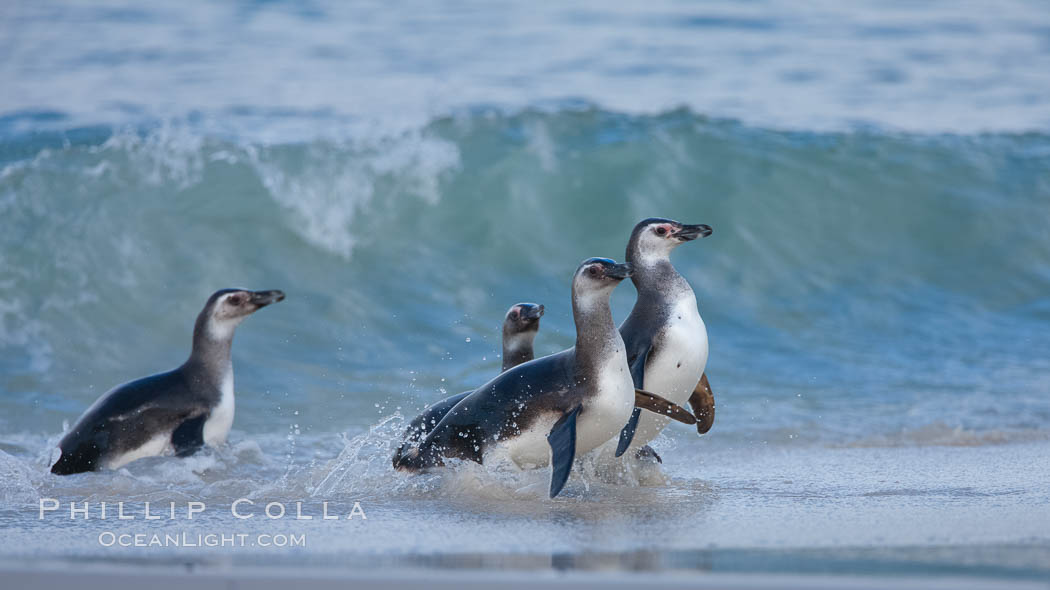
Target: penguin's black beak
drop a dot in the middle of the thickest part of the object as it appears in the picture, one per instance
(264, 298)
(618, 271)
(532, 312)
(691, 232)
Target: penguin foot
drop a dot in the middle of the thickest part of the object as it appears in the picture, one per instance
(647, 453)
(645, 467)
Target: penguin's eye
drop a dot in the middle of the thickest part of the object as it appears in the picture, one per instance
(514, 315)
(661, 231)
(593, 271)
(235, 300)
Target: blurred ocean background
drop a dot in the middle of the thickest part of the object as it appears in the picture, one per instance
(877, 288)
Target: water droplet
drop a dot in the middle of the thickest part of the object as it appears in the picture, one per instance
(468, 338)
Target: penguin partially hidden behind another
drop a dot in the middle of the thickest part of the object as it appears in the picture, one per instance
(180, 411)
(520, 325)
(666, 338)
(547, 410)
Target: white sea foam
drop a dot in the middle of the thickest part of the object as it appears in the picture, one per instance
(16, 487)
(336, 181)
(748, 498)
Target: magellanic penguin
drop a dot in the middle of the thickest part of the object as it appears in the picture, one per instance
(666, 338)
(178, 411)
(519, 331)
(547, 410)
(520, 325)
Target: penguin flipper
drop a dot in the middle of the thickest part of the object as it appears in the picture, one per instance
(562, 439)
(188, 437)
(703, 403)
(664, 407)
(627, 434)
(637, 367)
(636, 363)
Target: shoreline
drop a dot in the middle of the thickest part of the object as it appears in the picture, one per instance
(63, 575)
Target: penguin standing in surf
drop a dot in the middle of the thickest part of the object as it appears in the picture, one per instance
(548, 410)
(520, 325)
(665, 336)
(179, 411)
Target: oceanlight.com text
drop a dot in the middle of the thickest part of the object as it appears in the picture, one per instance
(184, 539)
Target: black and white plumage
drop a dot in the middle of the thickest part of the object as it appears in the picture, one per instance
(178, 411)
(550, 409)
(520, 325)
(665, 336)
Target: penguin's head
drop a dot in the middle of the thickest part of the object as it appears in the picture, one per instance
(596, 278)
(226, 308)
(654, 238)
(522, 317)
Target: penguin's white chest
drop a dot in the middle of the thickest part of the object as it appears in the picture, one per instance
(605, 415)
(159, 444)
(217, 426)
(675, 364)
(602, 417)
